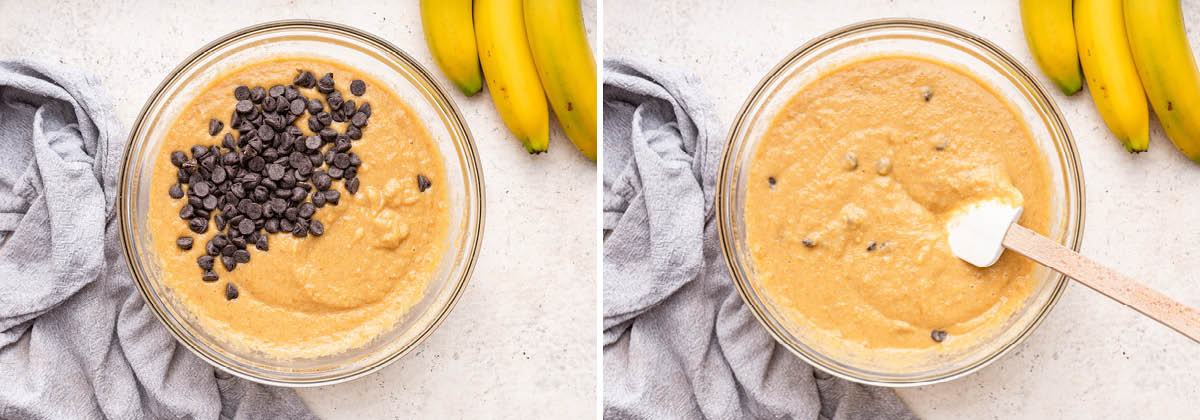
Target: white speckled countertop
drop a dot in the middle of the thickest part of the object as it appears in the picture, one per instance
(1092, 358)
(521, 342)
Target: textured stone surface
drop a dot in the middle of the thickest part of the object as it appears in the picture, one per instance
(1092, 358)
(522, 341)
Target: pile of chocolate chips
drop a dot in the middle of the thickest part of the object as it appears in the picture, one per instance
(269, 178)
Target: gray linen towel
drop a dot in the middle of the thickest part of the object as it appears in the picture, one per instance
(678, 341)
(76, 341)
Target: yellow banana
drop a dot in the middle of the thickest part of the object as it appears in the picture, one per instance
(1168, 71)
(566, 67)
(450, 33)
(1111, 76)
(1051, 35)
(511, 76)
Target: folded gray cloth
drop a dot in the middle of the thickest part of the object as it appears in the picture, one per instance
(678, 341)
(76, 341)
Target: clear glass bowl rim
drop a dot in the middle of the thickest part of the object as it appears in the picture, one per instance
(724, 211)
(449, 109)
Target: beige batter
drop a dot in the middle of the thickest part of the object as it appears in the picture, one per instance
(882, 151)
(314, 296)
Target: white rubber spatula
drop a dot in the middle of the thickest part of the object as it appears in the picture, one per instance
(980, 231)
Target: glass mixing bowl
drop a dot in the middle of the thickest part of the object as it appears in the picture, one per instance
(389, 65)
(945, 44)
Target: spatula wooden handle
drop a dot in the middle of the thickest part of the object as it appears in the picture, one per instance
(1122, 289)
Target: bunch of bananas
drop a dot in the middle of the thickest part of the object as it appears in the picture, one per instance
(1129, 50)
(530, 50)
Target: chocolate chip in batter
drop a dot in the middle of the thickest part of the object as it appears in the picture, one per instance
(176, 191)
(937, 335)
(358, 88)
(316, 228)
(215, 126)
(422, 182)
(305, 79)
(231, 291)
(927, 94)
(241, 93)
(184, 242)
(808, 242)
(209, 276)
(178, 158)
(325, 85)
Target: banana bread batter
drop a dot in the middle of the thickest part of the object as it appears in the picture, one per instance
(849, 192)
(314, 296)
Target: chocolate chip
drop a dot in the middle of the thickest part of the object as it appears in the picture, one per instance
(297, 159)
(198, 151)
(201, 189)
(209, 275)
(324, 118)
(328, 134)
(178, 158)
(241, 93)
(937, 335)
(176, 191)
(338, 115)
(209, 203)
(341, 145)
(301, 229)
(254, 210)
(305, 80)
(187, 212)
(354, 132)
(354, 160)
(218, 175)
(341, 160)
(245, 226)
(312, 142)
(332, 196)
(325, 85)
(238, 242)
(318, 200)
(219, 220)
(298, 194)
(351, 187)
(291, 93)
(198, 224)
(317, 159)
(231, 291)
(184, 242)
(316, 228)
(257, 94)
(423, 183)
(334, 100)
(358, 88)
(286, 225)
(315, 106)
(205, 262)
(365, 108)
(305, 210)
(322, 180)
(349, 107)
(228, 262)
(215, 126)
(359, 119)
(244, 106)
(261, 242)
(241, 256)
(228, 250)
(276, 91)
(297, 106)
(211, 249)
